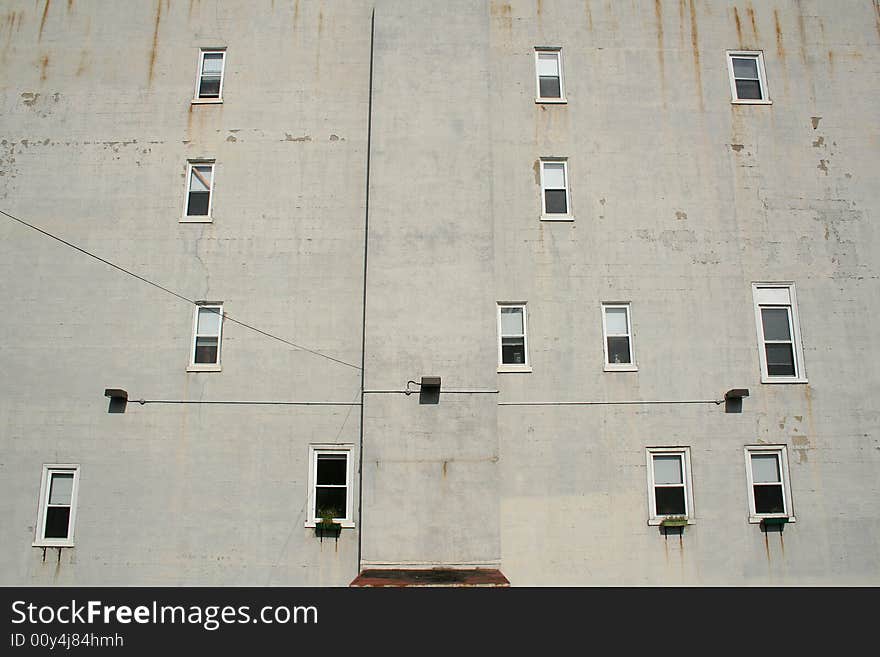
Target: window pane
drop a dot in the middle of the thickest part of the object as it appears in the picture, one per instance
(61, 488)
(670, 501)
(667, 470)
(550, 87)
(332, 499)
(618, 351)
(206, 351)
(748, 90)
(212, 63)
(768, 499)
(209, 321)
(780, 359)
(745, 67)
(197, 205)
(775, 321)
(554, 175)
(331, 469)
(57, 521)
(209, 88)
(615, 321)
(765, 468)
(555, 201)
(197, 175)
(512, 321)
(548, 65)
(513, 351)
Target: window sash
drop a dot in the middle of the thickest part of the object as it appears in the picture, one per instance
(554, 188)
(662, 495)
(512, 346)
(762, 493)
(316, 499)
(212, 64)
(616, 343)
(548, 75)
(206, 345)
(56, 517)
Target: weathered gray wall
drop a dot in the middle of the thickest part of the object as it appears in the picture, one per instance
(98, 126)
(681, 200)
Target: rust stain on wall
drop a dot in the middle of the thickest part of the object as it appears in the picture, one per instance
(780, 49)
(877, 16)
(589, 14)
(155, 42)
(295, 13)
(739, 29)
(695, 43)
(44, 65)
(751, 12)
(69, 5)
(43, 19)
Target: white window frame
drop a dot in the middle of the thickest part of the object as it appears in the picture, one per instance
(513, 367)
(619, 367)
(209, 51)
(781, 453)
(758, 56)
(314, 452)
(45, 482)
(800, 374)
(199, 218)
(687, 479)
(205, 367)
(554, 50)
(568, 216)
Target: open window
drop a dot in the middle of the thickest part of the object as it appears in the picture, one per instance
(57, 511)
(330, 484)
(781, 352)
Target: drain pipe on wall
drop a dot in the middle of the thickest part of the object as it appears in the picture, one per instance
(360, 523)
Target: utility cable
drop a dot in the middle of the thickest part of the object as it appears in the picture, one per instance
(176, 294)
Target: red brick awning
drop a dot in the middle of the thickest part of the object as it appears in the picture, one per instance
(431, 577)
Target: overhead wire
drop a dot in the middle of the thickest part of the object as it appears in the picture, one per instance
(173, 293)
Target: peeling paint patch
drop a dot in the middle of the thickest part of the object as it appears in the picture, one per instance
(231, 138)
(737, 147)
(334, 137)
(815, 121)
(29, 98)
(290, 137)
(819, 142)
(681, 216)
(823, 166)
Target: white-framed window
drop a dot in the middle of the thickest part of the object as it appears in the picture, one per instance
(618, 337)
(207, 334)
(513, 346)
(670, 485)
(209, 81)
(555, 197)
(199, 191)
(781, 352)
(330, 484)
(769, 483)
(56, 516)
(748, 80)
(548, 75)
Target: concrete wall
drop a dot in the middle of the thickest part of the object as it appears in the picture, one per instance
(681, 200)
(98, 127)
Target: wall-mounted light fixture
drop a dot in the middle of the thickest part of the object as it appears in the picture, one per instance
(733, 400)
(118, 399)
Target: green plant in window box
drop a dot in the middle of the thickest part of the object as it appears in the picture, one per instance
(674, 521)
(326, 526)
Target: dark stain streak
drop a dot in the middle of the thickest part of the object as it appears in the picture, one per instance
(43, 19)
(780, 49)
(69, 5)
(737, 147)
(155, 42)
(815, 121)
(739, 30)
(295, 13)
(589, 13)
(44, 65)
(751, 13)
(695, 42)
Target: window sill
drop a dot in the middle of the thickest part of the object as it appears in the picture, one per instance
(656, 522)
(196, 220)
(203, 368)
(507, 369)
(756, 520)
(621, 368)
(554, 217)
(748, 101)
(47, 543)
(345, 524)
(207, 101)
(780, 379)
(551, 101)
